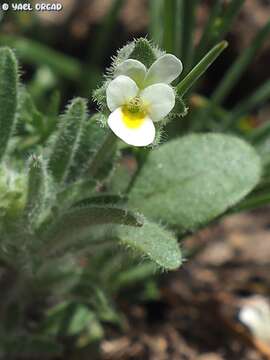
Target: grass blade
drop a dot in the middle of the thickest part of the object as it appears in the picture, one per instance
(239, 66)
(200, 68)
(208, 29)
(169, 18)
(258, 97)
(35, 53)
(155, 30)
(106, 31)
(225, 22)
(231, 12)
(188, 32)
(253, 202)
(179, 27)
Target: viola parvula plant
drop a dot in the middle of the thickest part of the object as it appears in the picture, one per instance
(76, 224)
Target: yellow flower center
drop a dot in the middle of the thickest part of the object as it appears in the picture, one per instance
(134, 113)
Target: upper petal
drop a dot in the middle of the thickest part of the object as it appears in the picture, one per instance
(164, 70)
(142, 135)
(119, 91)
(160, 99)
(133, 69)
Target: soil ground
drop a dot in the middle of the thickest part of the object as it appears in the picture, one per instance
(197, 315)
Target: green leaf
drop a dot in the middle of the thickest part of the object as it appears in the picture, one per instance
(75, 192)
(102, 198)
(67, 139)
(94, 215)
(75, 223)
(143, 52)
(180, 109)
(154, 242)
(8, 96)
(93, 136)
(190, 181)
(38, 187)
(103, 159)
(200, 68)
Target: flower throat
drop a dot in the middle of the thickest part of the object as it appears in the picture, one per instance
(134, 112)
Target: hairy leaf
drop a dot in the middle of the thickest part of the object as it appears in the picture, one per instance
(75, 223)
(93, 137)
(8, 96)
(38, 189)
(190, 181)
(154, 242)
(143, 52)
(67, 140)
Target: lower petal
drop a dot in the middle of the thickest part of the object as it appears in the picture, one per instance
(142, 135)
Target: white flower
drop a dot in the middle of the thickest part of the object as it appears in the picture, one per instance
(138, 97)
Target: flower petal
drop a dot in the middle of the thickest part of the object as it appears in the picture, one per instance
(120, 91)
(160, 100)
(140, 136)
(164, 70)
(133, 69)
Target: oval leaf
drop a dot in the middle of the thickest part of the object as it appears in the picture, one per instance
(190, 181)
(153, 241)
